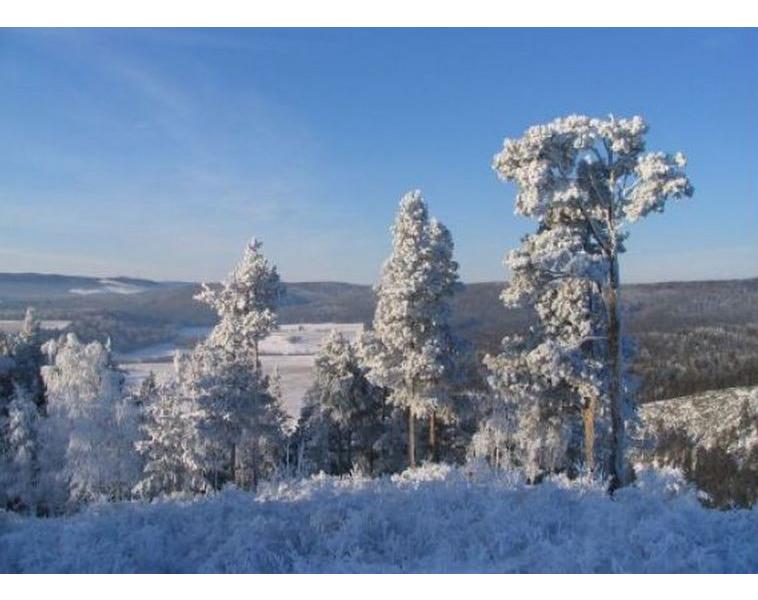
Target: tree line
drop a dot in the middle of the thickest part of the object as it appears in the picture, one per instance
(559, 397)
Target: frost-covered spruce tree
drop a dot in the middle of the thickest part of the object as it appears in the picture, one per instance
(584, 180)
(410, 350)
(343, 419)
(246, 303)
(88, 437)
(147, 392)
(443, 283)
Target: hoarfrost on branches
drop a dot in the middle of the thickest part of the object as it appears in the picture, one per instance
(584, 180)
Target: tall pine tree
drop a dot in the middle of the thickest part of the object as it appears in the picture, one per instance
(410, 350)
(584, 180)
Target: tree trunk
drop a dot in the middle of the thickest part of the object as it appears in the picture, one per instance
(433, 436)
(254, 471)
(411, 440)
(234, 463)
(619, 476)
(588, 417)
(349, 451)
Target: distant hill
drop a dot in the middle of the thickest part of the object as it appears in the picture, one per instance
(477, 308)
(31, 286)
(693, 336)
(712, 437)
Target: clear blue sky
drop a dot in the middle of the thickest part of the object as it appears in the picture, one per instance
(158, 153)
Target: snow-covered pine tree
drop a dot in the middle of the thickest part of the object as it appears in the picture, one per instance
(21, 434)
(443, 282)
(239, 422)
(87, 449)
(584, 180)
(547, 378)
(20, 361)
(246, 303)
(410, 350)
(29, 357)
(147, 392)
(167, 443)
(20, 383)
(343, 419)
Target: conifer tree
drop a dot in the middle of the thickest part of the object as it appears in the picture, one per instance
(246, 304)
(239, 422)
(343, 416)
(410, 349)
(21, 433)
(168, 444)
(584, 180)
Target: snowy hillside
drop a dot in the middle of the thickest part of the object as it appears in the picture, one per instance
(433, 519)
(109, 286)
(710, 419)
(14, 326)
(712, 437)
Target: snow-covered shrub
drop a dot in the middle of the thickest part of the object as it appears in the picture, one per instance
(435, 518)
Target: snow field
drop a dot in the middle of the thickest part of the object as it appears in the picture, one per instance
(432, 519)
(291, 350)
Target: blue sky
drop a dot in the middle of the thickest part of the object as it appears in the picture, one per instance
(158, 153)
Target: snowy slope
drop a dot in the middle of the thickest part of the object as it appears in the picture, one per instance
(109, 286)
(725, 418)
(712, 437)
(433, 519)
(14, 326)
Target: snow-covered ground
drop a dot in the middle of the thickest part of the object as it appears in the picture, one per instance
(433, 519)
(302, 338)
(726, 419)
(291, 350)
(14, 326)
(305, 338)
(109, 286)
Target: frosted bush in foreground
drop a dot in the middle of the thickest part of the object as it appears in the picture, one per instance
(431, 519)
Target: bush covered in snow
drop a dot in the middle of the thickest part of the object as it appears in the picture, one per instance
(432, 519)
